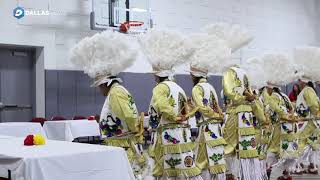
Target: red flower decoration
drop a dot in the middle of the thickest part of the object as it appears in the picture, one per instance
(28, 141)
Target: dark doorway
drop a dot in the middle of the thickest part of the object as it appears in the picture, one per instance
(17, 82)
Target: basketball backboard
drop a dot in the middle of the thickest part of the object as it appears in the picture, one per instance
(110, 14)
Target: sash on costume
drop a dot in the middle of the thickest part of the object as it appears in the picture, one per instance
(247, 139)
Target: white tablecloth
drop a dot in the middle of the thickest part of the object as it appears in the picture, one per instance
(70, 129)
(20, 129)
(60, 160)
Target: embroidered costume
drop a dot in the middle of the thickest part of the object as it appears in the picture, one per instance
(210, 156)
(307, 107)
(172, 148)
(120, 124)
(210, 151)
(282, 147)
(239, 129)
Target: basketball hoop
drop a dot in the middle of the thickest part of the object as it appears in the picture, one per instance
(124, 27)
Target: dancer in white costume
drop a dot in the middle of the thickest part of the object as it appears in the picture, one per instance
(282, 150)
(239, 131)
(173, 150)
(307, 108)
(256, 76)
(210, 52)
(103, 56)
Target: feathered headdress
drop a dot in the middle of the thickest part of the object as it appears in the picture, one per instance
(307, 59)
(103, 55)
(235, 36)
(164, 50)
(255, 72)
(279, 69)
(210, 52)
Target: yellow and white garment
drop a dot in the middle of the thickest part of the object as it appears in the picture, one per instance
(174, 154)
(118, 125)
(154, 121)
(239, 131)
(307, 106)
(288, 146)
(288, 136)
(247, 139)
(265, 135)
(210, 150)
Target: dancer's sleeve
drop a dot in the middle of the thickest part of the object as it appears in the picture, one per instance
(258, 111)
(312, 100)
(160, 97)
(228, 83)
(206, 110)
(274, 103)
(121, 105)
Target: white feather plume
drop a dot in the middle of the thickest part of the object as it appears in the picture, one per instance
(307, 59)
(279, 68)
(236, 36)
(165, 49)
(210, 54)
(255, 72)
(106, 53)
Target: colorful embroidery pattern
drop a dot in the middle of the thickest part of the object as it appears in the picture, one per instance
(173, 162)
(300, 125)
(111, 127)
(216, 158)
(188, 161)
(285, 128)
(303, 111)
(205, 101)
(132, 104)
(245, 120)
(154, 118)
(172, 102)
(198, 115)
(184, 134)
(254, 122)
(285, 146)
(273, 117)
(211, 133)
(170, 138)
(313, 138)
(245, 144)
(259, 149)
(182, 101)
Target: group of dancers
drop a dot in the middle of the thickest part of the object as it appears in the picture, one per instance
(258, 129)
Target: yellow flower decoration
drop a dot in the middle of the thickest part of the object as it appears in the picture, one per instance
(38, 139)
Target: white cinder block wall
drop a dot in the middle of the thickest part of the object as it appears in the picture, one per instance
(276, 24)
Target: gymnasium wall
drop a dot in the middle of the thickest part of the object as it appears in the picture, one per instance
(68, 93)
(276, 24)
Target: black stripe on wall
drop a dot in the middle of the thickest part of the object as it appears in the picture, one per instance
(68, 93)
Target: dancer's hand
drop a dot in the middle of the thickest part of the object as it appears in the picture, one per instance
(181, 118)
(250, 98)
